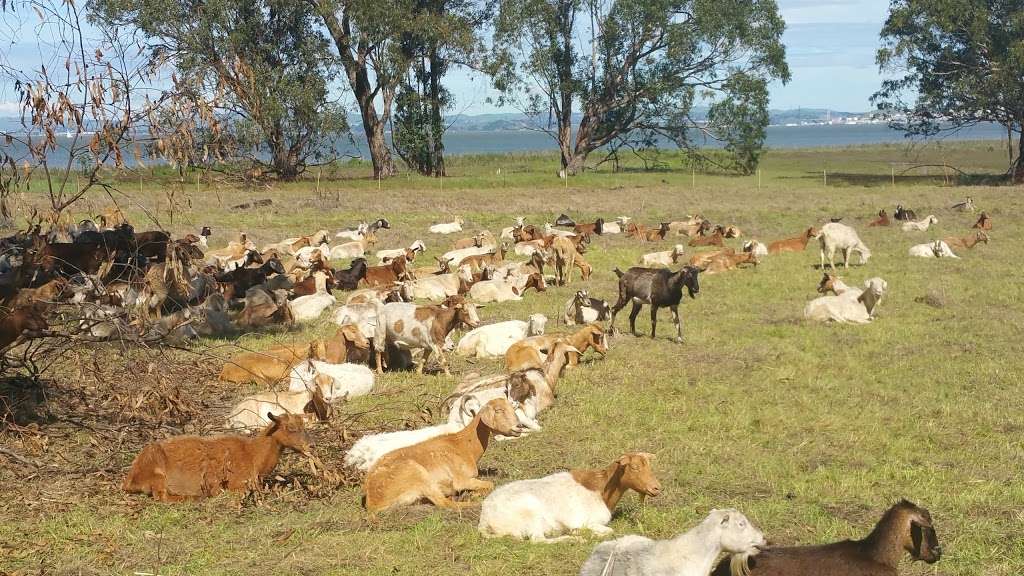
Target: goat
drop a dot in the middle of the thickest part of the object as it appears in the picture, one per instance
(715, 239)
(334, 381)
(967, 242)
(565, 253)
(904, 528)
(904, 215)
(966, 205)
(756, 248)
(584, 309)
(349, 278)
(240, 280)
(936, 249)
(859, 309)
(726, 262)
(409, 326)
(798, 244)
(596, 228)
(383, 256)
(656, 234)
(529, 352)
(882, 220)
(396, 270)
(250, 413)
(309, 308)
(493, 340)
(692, 553)
(664, 258)
(656, 288)
(834, 236)
(565, 221)
(695, 226)
(19, 321)
(439, 467)
(185, 467)
(263, 306)
(919, 226)
(448, 227)
(703, 259)
(574, 500)
(503, 290)
(983, 223)
(354, 249)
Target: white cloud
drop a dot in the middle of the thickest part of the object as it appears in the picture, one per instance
(837, 11)
(8, 108)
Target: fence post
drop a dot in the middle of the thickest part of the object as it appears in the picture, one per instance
(893, 176)
(758, 178)
(824, 175)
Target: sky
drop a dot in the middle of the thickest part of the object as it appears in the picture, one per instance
(830, 47)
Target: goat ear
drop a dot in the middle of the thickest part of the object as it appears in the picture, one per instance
(725, 519)
(272, 418)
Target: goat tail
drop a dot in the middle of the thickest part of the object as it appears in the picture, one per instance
(618, 272)
(739, 565)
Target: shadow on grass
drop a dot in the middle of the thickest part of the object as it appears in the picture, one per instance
(851, 179)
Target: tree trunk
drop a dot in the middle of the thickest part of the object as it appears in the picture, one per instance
(436, 121)
(563, 59)
(1018, 166)
(359, 80)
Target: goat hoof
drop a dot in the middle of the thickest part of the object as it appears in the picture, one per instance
(678, 340)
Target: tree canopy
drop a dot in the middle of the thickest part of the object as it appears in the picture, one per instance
(956, 63)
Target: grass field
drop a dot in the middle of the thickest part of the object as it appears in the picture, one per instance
(811, 430)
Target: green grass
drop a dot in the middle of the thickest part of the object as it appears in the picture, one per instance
(811, 430)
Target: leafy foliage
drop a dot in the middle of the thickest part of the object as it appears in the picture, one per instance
(962, 62)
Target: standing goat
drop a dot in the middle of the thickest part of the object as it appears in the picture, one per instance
(657, 288)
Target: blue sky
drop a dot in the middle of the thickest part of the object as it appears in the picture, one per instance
(830, 47)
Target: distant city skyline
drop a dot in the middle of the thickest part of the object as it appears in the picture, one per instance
(830, 46)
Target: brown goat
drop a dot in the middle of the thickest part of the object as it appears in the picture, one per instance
(437, 468)
(348, 345)
(904, 528)
(267, 367)
(631, 471)
(715, 239)
(185, 467)
(478, 262)
(798, 244)
(882, 220)
(968, 242)
(527, 352)
(17, 321)
(726, 262)
(655, 234)
(389, 273)
(702, 259)
(466, 242)
(983, 223)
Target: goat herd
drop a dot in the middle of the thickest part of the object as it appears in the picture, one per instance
(148, 285)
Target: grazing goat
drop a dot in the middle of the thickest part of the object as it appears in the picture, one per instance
(904, 215)
(983, 223)
(574, 500)
(859, 309)
(439, 467)
(798, 244)
(447, 228)
(493, 340)
(834, 236)
(904, 528)
(919, 226)
(692, 553)
(657, 288)
(967, 242)
(584, 309)
(426, 328)
(664, 258)
(882, 220)
(936, 249)
(185, 467)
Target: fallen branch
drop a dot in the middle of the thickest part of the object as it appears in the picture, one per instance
(18, 458)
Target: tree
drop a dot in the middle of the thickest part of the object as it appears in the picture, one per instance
(443, 32)
(252, 77)
(964, 62)
(650, 62)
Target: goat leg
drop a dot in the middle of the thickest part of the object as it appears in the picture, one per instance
(679, 324)
(632, 318)
(654, 320)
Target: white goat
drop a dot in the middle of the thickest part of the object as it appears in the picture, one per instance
(506, 232)
(495, 291)
(920, 225)
(663, 258)
(310, 307)
(336, 381)
(835, 236)
(493, 340)
(383, 255)
(692, 553)
(551, 230)
(251, 413)
(846, 308)
(356, 234)
(521, 393)
(448, 227)
(616, 226)
(363, 316)
(937, 249)
(372, 447)
(455, 257)
(354, 249)
(756, 247)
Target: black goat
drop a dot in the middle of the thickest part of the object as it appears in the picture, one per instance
(903, 214)
(349, 279)
(239, 280)
(564, 220)
(152, 244)
(905, 527)
(380, 223)
(656, 287)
